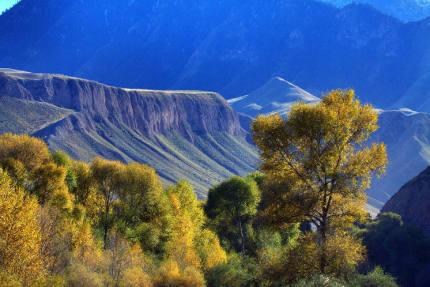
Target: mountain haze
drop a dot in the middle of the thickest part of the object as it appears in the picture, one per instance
(406, 10)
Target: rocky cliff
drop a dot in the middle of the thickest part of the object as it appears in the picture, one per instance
(184, 134)
(146, 111)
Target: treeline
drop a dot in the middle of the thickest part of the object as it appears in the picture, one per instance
(300, 221)
(68, 223)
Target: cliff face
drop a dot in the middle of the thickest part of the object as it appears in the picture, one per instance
(412, 202)
(149, 112)
(184, 134)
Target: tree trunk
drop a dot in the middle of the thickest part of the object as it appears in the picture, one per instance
(323, 257)
(242, 236)
(106, 224)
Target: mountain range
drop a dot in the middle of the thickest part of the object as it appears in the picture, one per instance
(230, 47)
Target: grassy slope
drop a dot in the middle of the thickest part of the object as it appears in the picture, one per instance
(19, 116)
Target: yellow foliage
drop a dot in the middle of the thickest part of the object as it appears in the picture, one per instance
(210, 250)
(85, 249)
(136, 277)
(20, 238)
(343, 251)
(30, 151)
(170, 275)
(190, 247)
(8, 280)
(79, 275)
(180, 246)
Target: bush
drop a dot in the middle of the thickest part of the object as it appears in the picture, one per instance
(238, 271)
(319, 281)
(376, 278)
(79, 276)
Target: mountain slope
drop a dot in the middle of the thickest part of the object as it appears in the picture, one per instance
(183, 134)
(412, 201)
(406, 10)
(24, 117)
(230, 47)
(407, 136)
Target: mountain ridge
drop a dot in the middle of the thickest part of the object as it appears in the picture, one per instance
(184, 135)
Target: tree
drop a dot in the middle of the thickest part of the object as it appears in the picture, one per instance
(317, 164)
(187, 220)
(143, 196)
(20, 237)
(48, 180)
(190, 248)
(121, 256)
(63, 159)
(144, 206)
(234, 202)
(30, 151)
(109, 179)
(209, 249)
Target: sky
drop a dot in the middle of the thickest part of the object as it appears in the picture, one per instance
(6, 4)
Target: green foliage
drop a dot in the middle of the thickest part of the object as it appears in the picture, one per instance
(233, 203)
(62, 159)
(319, 281)
(400, 249)
(237, 272)
(376, 278)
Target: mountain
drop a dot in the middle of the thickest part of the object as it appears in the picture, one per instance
(276, 96)
(190, 135)
(230, 47)
(406, 10)
(407, 136)
(412, 201)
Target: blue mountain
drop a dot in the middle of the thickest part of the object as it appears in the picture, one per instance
(230, 47)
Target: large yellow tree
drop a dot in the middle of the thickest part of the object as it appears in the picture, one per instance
(318, 165)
